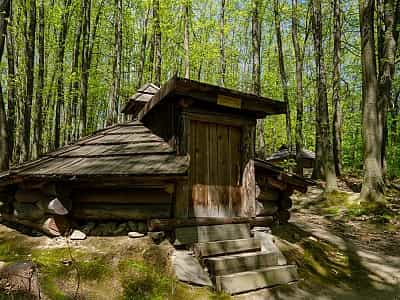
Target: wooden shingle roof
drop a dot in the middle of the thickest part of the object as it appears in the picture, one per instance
(139, 100)
(121, 150)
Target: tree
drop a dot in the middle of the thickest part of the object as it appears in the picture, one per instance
(113, 104)
(373, 185)
(222, 44)
(30, 38)
(282, 72)
(337, 111)
(157, 41)
(5, 9)
(186, 39)
(256, 72)
(324, 167)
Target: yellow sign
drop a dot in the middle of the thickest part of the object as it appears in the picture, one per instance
(229, 101)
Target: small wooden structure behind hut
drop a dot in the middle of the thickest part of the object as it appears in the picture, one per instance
(187, 158)
(284, 155)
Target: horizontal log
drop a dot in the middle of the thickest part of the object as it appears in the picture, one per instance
(30, 196)
(126, 196)
(267, 208)
(269, 195)
(121, 211)
(52, 226)
(171, 224)
(27, 211)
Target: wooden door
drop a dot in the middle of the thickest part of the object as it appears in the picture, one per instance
(215, 174)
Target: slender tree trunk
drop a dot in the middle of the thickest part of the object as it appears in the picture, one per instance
(337, 111)
(373, 185)
(113, 104)
(86, 8)
(186, 40)
(157, 41)
(282, 72)
(324, 157)
(11, 83)
(5, 9)
(222, 44)
(256, 72)
(143, 48)
(299, 89)
(29, 32)
(60, 70)
(38, 130)
(74, 90)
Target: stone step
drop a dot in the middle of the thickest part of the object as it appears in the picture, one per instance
(257, 279)
(228, 264)
(201, 234)
(226, 247)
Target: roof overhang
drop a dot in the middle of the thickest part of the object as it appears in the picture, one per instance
(179, 87)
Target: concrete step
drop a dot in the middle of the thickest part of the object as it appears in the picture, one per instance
(228, 264)
(201, 234)
(257, 279)
(226, 247)
(280, 292)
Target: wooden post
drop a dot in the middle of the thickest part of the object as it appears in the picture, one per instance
(248, 175)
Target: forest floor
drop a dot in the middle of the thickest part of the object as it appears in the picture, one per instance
(342, 252)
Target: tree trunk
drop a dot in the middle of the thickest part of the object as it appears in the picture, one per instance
(29, 33)
(337, 111)
(143, 48)
(299, 89)
(74, 90)
(113, 104)
(86, 8)
(222, 44)
(256, 72)
(324, 157)
(5, 9)
(157, 42)
(373, 185)
(186, 40)
(11, 84)
(62, 35)
(282, 72)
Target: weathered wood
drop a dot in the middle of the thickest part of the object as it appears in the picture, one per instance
(27, 211)
(182, 200)
(121, 211)
(226, 247)
(171, 224)
(52, 226)
(277, 184)
(242, 262)
(30, 196)
(200, 234)
(125, 196)
(248, 176)
(217, 118)
(268, 195)
(267, 208)
(254, 280)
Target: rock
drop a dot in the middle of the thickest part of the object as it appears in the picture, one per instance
(105, 229)
(56, 207)
(157, 236)
(122, 229)
(88, 227)
(77, 235)
(132, 226)
(133, 234)
(268, 245)
(142, 227)
(188, 269)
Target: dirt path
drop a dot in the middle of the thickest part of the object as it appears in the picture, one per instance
(341, 256)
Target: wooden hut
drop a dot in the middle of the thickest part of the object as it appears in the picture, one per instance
(185, 164)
